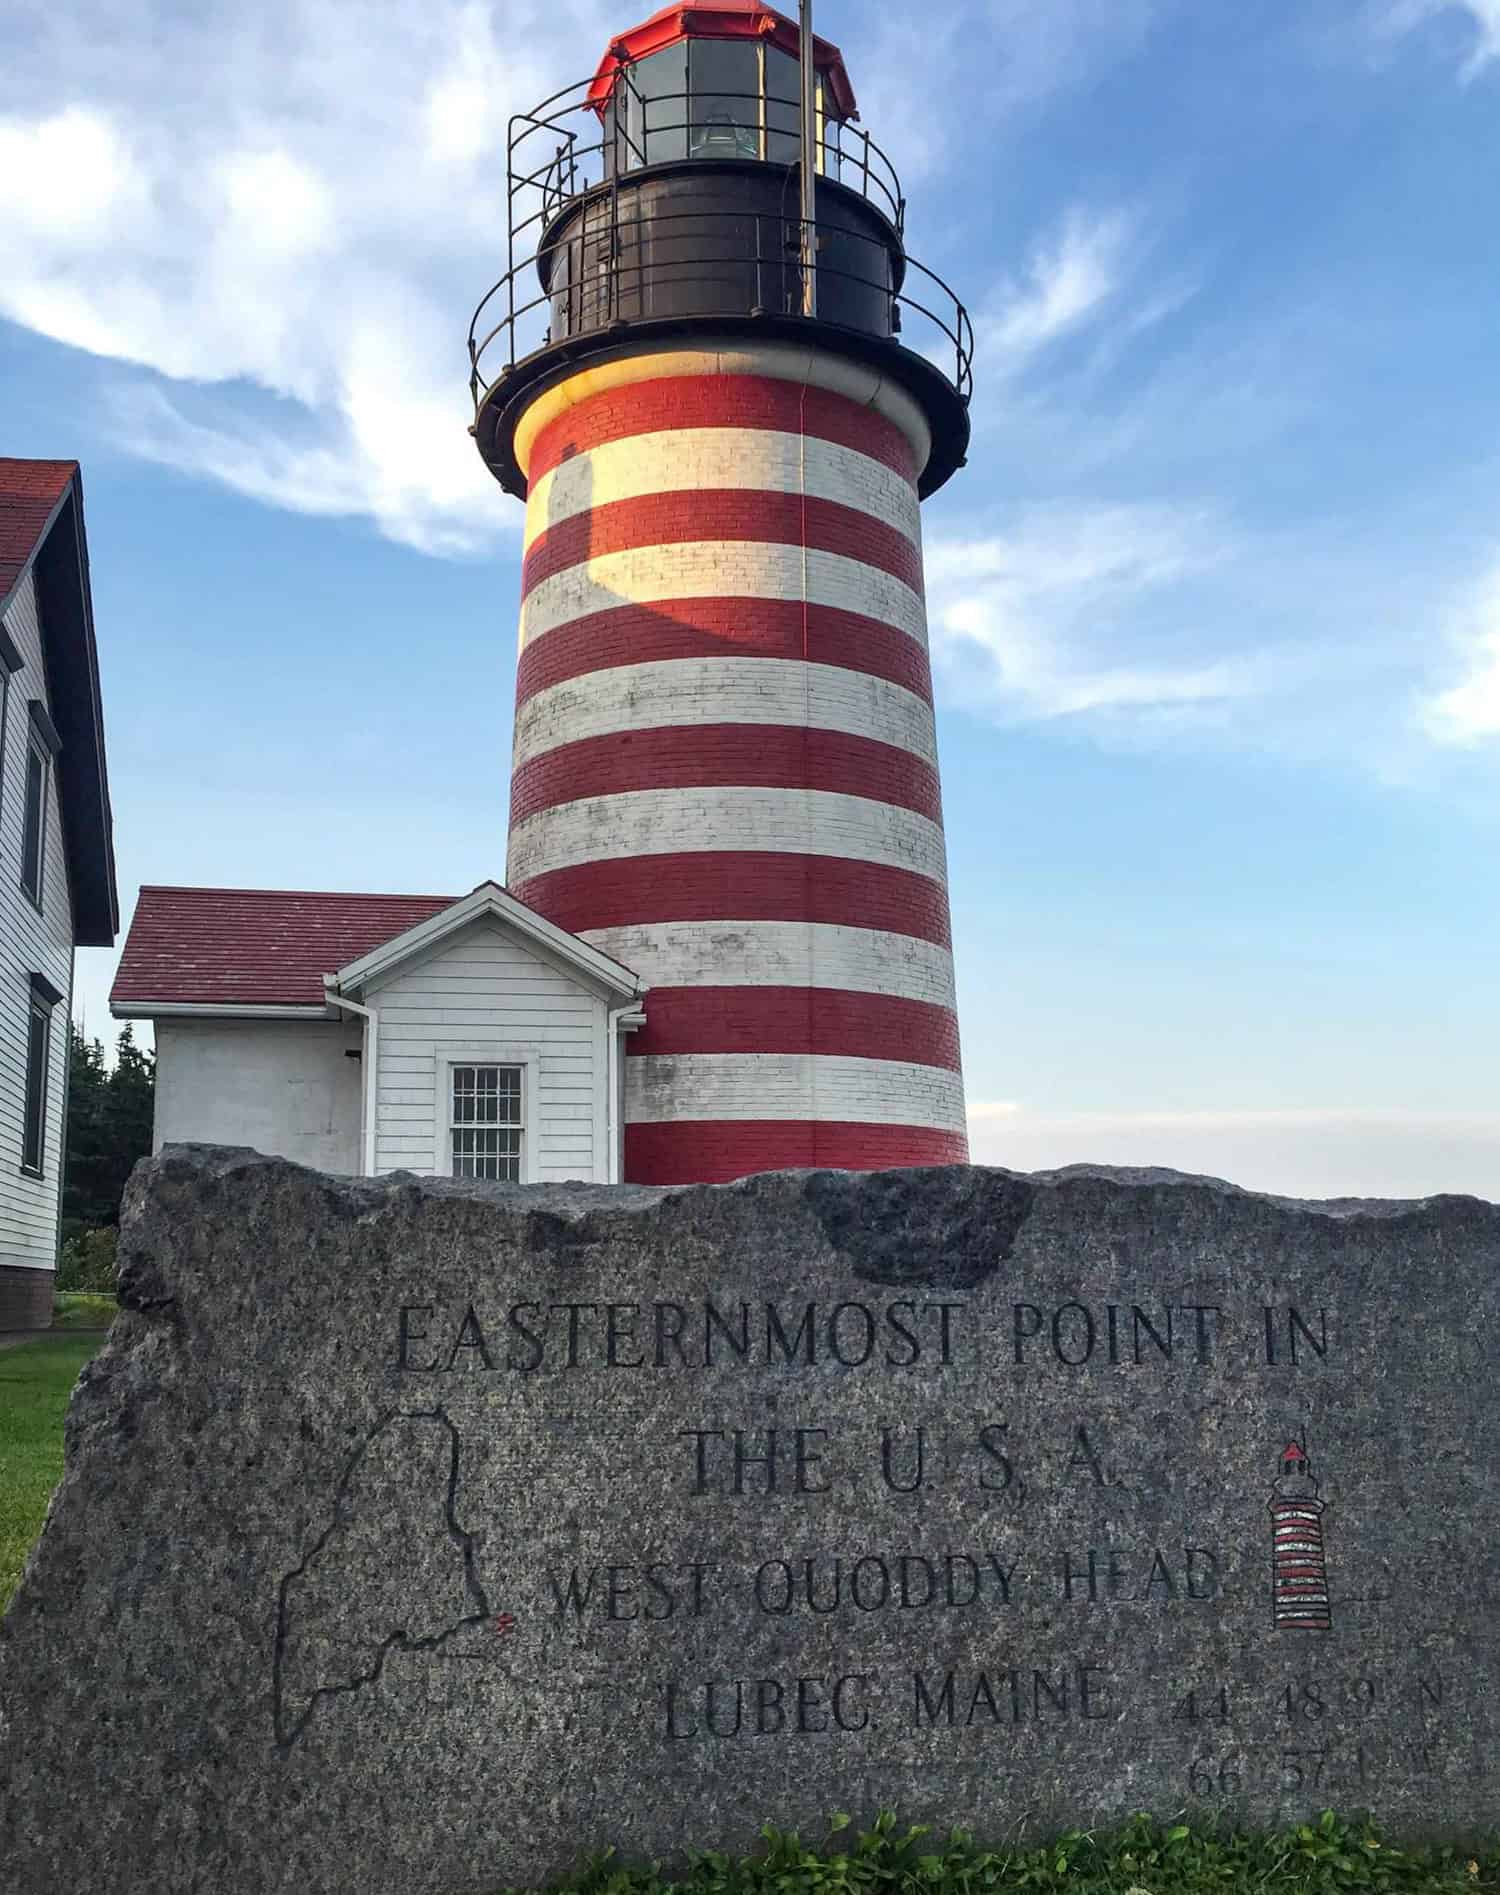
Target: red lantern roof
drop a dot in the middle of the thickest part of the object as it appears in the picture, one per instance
(723, 19)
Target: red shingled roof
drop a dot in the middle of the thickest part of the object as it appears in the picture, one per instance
(29, 495)
(254, 947)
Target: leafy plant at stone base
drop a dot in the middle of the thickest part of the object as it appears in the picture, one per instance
(1332, 1856)
(84, 1310)
(87, 1262)
(110, 1111)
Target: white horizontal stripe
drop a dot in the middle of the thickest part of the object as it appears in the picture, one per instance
(724, 691)
(662, 1088)
(712, 569)
(664, 822)
(812, 367)
(684, 460)
(781, 954)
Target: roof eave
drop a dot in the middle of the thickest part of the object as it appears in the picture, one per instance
(59, 565)
(218, 1010)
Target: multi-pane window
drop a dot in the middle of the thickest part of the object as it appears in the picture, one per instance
(39, 748)
(487, 1121)
(38, 1055)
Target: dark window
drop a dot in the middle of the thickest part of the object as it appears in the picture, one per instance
(38, 1047)
(726, 102)
(33, 836)
(10, 660)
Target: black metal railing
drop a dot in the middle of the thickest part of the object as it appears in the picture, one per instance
(570, 143)
(603, 271)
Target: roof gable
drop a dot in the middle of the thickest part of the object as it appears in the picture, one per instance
(41, 532)
(491, 900)
(31, 492)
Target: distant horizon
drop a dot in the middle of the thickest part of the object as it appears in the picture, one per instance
(1215, 604)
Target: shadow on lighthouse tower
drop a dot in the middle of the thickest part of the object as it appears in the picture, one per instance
(721, 418)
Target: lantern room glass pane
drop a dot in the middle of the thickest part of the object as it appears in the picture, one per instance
(656, 109)
(725, 83)
(783, 110)
(830, 154)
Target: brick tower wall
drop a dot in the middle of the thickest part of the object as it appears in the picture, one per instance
(725, 763)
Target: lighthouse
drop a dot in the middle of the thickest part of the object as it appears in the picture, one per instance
(721, 385)
(1299, 1565)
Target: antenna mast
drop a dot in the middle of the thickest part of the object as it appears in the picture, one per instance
(809, 163)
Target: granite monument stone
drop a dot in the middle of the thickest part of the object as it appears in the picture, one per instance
(418, 1538)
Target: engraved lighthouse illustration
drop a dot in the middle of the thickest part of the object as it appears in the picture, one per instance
(1299, 1563)
(722, 384)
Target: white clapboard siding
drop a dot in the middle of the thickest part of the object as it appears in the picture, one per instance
(488, 987)
(283, 1086)
(29, 943)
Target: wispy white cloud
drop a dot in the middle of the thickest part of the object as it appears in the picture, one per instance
(1028, 623)
(1468, 711)
(1072, 273)
(288, 203)
(1482, 17)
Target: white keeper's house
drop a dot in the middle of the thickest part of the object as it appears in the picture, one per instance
(467, 1037)
(57, 865)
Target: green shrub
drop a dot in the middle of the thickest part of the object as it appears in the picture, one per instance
(87, 1262)
(1331, 1856)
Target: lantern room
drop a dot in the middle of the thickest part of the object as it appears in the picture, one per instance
(664, 200)
(718, 81)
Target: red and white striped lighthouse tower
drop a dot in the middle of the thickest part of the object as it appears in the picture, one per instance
(725, 764)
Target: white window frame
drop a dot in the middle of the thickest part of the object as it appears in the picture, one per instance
(529, 1059)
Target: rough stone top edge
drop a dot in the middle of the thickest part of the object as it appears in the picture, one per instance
(581, 1197)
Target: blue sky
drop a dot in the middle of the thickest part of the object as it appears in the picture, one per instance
(1215, 605)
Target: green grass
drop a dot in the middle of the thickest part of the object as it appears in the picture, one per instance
(83, 1309)
(1332, 1856)
(36, 1379)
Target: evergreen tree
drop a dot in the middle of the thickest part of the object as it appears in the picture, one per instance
(132, 1104)
(109, 1127)
(85, 1201)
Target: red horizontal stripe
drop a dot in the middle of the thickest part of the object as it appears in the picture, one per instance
(721, 513)
(679, 756)
(720, 401)
(723, 628)
(712, 1151)
(740, 885)
(829, 1020)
